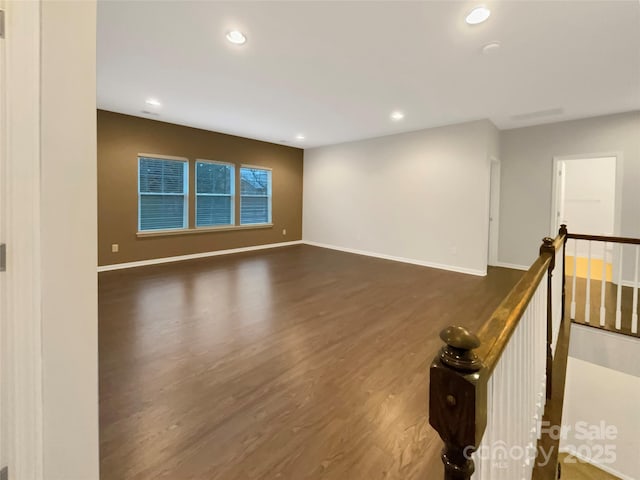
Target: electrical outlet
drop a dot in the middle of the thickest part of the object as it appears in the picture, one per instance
(284, 231)
(454, 250)
(115, 248)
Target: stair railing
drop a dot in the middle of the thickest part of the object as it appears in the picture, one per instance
(488, 391)
(604, 273)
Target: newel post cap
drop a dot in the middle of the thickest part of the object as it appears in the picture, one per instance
(459, 337)
(548, 247)
(563, 229)
(458, 352)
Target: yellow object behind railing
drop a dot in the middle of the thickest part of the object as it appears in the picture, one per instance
(582, 267)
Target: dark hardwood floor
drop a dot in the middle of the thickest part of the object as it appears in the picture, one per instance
(293, 363)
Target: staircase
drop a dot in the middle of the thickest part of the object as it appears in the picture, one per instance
(502, 391)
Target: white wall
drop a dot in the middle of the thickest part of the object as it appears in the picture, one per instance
(421, 196)
(527, 164)
(603, 385)
(69, 240)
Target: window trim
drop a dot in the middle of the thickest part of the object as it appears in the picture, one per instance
(185, 193)
(233, 194)
(190, 231)
(163, 157)
(269, 196)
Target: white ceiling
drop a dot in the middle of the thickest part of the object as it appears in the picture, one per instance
(334, 71)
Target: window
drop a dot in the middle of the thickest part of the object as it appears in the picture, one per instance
(255, 195)
(214, 193)
(162, 193)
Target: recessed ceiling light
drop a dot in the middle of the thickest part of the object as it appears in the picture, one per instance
(236, 37)
(153, 102)
(300, 137)
(478, 15)
(397, 116)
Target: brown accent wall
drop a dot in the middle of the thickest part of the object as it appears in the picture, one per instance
(122, 137)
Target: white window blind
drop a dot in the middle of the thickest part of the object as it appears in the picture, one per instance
(162, 194)
(214, 193)
(255, 195)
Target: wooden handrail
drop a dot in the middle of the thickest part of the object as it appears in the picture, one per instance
(494, 335)
(496, 332)
(558, 243)
(460, 373)
(604, 238)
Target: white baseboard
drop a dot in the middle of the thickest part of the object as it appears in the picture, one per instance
(511, 265)
(451, 268)
(604, 468)
(180, 258)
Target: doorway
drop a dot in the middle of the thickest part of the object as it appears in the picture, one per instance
(586, 200)
(494, 211)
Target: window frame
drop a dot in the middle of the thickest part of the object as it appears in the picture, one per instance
(232, 195)
(185, 194)
(269, 195)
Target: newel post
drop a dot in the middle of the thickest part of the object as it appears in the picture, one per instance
(547, 247)
(563, 231)
(458, 401)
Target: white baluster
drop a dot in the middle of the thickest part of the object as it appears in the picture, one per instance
(587, 304)
(524, 436)
(603, 312)
(541, 363)
(573, 286)
(634, 317)
(515, 403)
(516, 392)
(619, 298)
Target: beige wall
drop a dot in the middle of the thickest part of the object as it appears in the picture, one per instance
(526, 183)
(121, 138)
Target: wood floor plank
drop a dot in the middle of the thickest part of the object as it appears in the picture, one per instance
(575, 469)
(293, 363)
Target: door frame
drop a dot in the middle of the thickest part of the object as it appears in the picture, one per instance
(555, 198)
(22, 325)
(617, 214)
(4, 344)
(494, 210)
(51, 288)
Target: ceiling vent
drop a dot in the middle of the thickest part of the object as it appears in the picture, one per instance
(539, 114)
